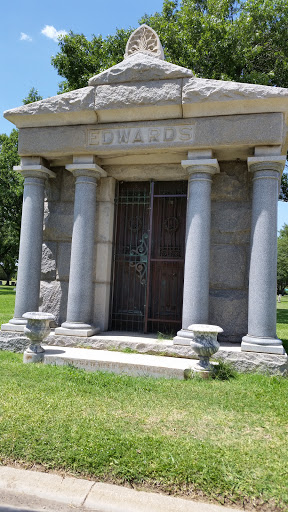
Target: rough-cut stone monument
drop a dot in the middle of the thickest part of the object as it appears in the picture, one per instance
(120, 170)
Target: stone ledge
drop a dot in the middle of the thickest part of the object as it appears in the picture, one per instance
(243, 362)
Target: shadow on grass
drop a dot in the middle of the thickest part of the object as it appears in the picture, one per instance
(282, 318)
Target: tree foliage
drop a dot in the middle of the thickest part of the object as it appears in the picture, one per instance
(79, 58)
(32, 96)
(282, 258)
(11, 190)
(11, 193)
(283, 196)
(244, 41)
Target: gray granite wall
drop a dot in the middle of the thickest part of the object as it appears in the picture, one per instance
(230, 243)
(230, 240)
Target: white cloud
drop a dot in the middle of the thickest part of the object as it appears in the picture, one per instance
(52, 33)
(25, 37)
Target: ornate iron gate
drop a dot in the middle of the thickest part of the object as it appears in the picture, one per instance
(148, 264)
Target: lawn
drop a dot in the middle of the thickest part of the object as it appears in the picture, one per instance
(225, 440)
(282, 321)
(7, 301)
(220, 440)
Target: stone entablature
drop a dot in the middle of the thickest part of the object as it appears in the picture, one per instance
(228, 136)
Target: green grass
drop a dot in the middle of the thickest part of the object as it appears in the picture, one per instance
(226, 440)
(282, 321)
(7, 301)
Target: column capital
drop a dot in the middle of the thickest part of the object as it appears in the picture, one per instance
(33, 167)
(86, 166)
(266, 163)
(203, 165)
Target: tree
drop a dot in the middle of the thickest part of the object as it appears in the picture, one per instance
(79, 59)
(282, 259)
(283, 196)
(11, 192)
(32, 96)
(221, 39)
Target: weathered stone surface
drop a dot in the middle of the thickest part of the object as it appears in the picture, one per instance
(103, 256)
(245, 362)
(242, 361)
(230, 222)
(68, 186)
(53, 187)
(104, 221)
(101, 306)
(62, 140)
(58, 221)
(231, 135)
(202, 95)
(115, 340)
(141, 101)
(233, 183)
(228, 266)
(48, 264)
(119, 363)
(140, 67)
(63, 260)
(75, 107)
(147, 171)
(105, 189)
(13, 341)
(53, 299)
(229, 309)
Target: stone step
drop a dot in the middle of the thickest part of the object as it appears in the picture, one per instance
(122, 363)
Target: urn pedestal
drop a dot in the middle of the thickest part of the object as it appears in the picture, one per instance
(36, 329)
(204, 343)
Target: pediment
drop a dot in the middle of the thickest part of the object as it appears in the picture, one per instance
(140, 67)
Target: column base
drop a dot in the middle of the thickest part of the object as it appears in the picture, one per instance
(264, 345)
(77, 329)
(14, 325)
(184, 337)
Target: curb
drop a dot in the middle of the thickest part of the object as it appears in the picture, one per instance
(91, 495)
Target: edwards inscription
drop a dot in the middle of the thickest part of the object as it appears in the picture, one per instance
(139, 136)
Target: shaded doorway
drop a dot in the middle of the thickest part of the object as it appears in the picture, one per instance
(148, 260)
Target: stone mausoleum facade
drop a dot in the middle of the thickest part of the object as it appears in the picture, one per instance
(150, 202)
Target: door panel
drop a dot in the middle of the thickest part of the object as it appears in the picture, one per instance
(149, 257)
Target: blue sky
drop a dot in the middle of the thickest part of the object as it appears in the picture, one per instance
(28, 39)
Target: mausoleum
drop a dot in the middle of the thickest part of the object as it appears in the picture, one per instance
(150, 202)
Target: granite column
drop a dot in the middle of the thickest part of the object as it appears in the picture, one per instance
(30, 251)
(197, 250)
(80, 292)
(261, 335)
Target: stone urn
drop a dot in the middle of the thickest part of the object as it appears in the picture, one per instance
(204, 343)
(36, 329)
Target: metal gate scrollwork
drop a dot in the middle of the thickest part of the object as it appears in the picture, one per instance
(141, 266)
(148, 262)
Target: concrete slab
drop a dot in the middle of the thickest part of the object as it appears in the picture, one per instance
(120, 362)
(47, 486)
(88, 494)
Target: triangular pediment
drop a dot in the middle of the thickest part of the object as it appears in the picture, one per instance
(140, 67)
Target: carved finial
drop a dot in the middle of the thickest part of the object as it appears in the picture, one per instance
(144, 39)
